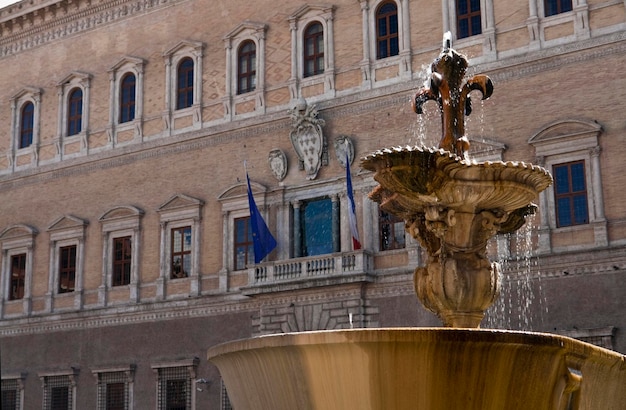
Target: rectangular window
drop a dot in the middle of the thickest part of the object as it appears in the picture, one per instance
(387, 39)
(174, 392)
(18, 276)
(57, 393)
(121, 261)
(316, 227)
(113, 391)
(244, 248)
(391, 231)
(468, 18)
(552, 7)
(181, 252)
(11, 398)
(570, 194)
(67, 268)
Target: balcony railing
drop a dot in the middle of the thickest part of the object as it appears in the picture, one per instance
(322, 266)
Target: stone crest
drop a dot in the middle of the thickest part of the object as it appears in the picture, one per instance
(278, 163)
(307, 138)
(344, 147)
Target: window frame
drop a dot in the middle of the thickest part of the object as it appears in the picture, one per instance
(125, 132)
(180, 252)
(14, 382)
(66, 231)
(569, 194)
(28, 95)
(566, 141)
(128, 98)
(299, 21)
(178, 370)
(72, 82)
(67, 253)
(392, 232)
(17, 240)
(468, 16)
(249, 75)
(304, 251)
(178, 212)
(172, 58)
(558, 8)
(122, 278)
(26, 130)
(313, 55)
(389, 36)
(247, 244)
(119, 222)
(60, 379)
(109, 375)
(253, 100)
(185, 70)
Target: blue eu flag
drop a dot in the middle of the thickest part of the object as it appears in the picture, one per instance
(262, 238)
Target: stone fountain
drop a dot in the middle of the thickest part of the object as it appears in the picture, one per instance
(452, 206)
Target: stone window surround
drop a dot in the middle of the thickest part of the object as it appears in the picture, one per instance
(172, 57)
(119, 222)
(15, 240)
(369, 63)
(27, 94)
(71, 375)
(248, 30)
(179, 211)
(537, 23)
(129, 373)
(191, 366)
(298, 22)
(234, 201)
(66, 231)
(19, 379)
(64, 87)
(126, 65)
(578, 142)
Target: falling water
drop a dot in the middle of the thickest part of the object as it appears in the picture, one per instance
(521, 302)
(427, 126)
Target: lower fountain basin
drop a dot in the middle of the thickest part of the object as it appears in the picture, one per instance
(420, 368)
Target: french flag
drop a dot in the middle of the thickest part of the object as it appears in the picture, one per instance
(356, 244)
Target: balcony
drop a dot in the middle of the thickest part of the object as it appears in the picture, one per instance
(314, 271)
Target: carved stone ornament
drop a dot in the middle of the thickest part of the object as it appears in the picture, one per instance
(307, 138)
(278, 163)
(343, 145)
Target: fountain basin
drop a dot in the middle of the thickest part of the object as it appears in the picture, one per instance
(420, 368)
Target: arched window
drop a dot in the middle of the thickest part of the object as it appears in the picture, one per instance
(75, 112)
(184, 89)
(313, 49)
(387, 41)
(26, 125)
(246, 67)
(127, 98)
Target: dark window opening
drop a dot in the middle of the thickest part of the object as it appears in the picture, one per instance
(18, 276)
(27, 119)
(127, 98)
(184, 89)
(246, 67)
(67, 269)
(313, 50)
(553, 7)
(316, 227)
(122, 259)
(244, 247)
(75, 112)
(181, 252)
(391, 231)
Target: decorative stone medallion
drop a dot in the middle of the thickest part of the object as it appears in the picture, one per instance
(307, 137)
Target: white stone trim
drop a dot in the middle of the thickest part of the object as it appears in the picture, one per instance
(126, 65)
(64, 87)
(248, 30)
(172, 57)
(32, 95)
(15, 240)
(179, 211)
(488, 28)
(66, 231)
(298, 22)
(370, 63)
(116, 223)
(566, 141)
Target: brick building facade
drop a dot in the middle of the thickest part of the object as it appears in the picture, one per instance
(124, 223)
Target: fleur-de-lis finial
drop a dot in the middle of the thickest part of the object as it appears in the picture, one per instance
(446, 86)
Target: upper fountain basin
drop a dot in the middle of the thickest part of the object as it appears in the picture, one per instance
(412, 178)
